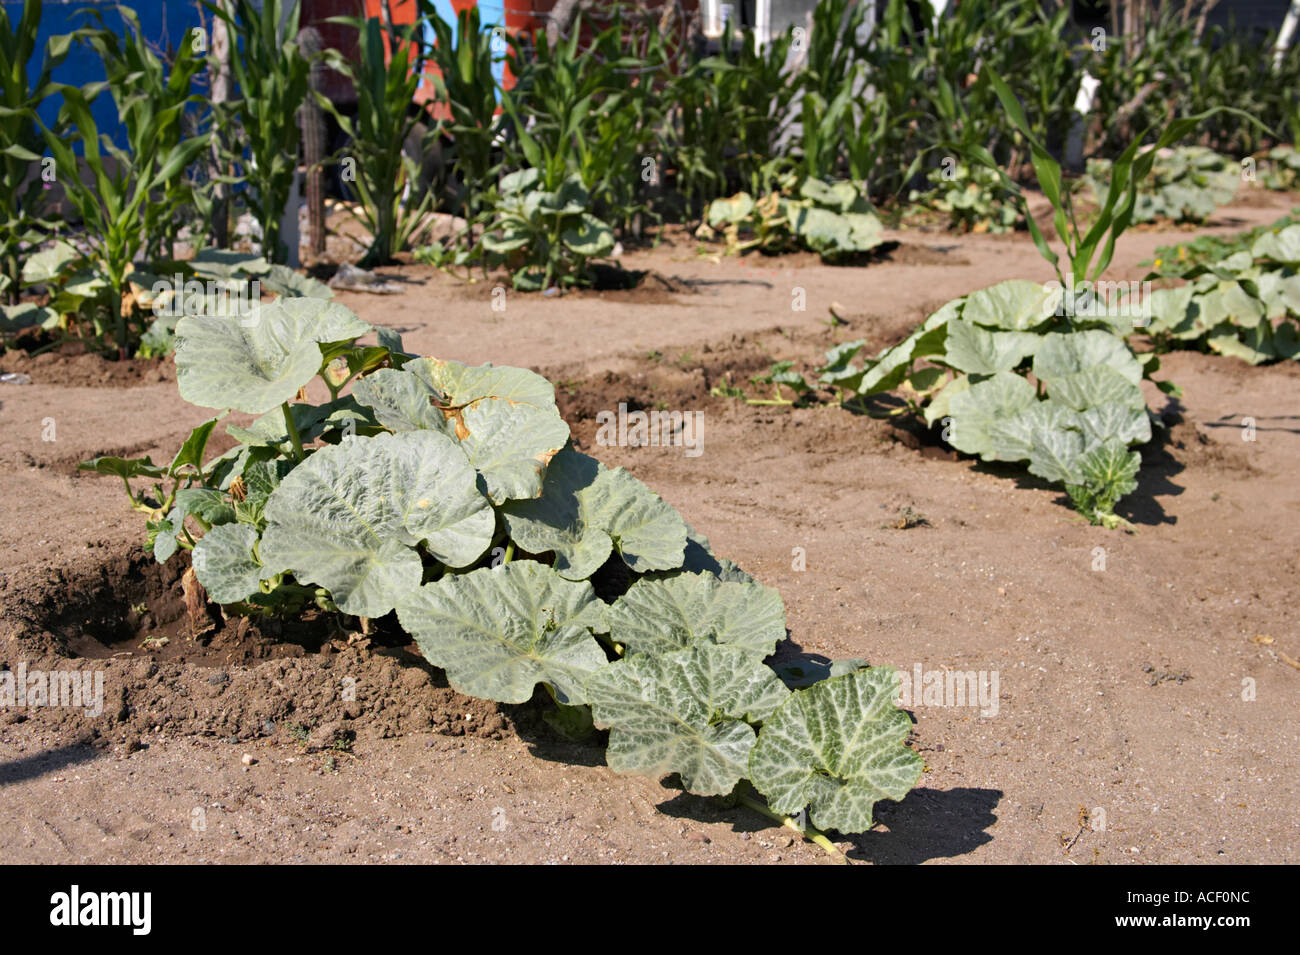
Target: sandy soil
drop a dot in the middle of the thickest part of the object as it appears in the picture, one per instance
(1122, 732)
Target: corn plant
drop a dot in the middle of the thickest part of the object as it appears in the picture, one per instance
(22, 193)
(1089, 252)
(465, 85)
(114, 203)
(272, 75)
(586, 112)
(385, 175)
(144, 87)
(730, 111)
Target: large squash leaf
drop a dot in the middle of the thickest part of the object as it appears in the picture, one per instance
(505, 418)
(586, 511)
(350, 516)
(666, 614)
(978, 351)
(253, 363)
(499, 631)
(685, 712)
(837, 748)
(978, 408)
(1015, 305)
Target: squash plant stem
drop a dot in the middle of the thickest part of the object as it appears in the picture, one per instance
(811, 834)
(294, 437)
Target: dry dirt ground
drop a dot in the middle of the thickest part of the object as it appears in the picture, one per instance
(1146, 709)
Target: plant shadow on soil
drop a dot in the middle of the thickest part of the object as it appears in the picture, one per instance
(1159, 463)
(45, 762)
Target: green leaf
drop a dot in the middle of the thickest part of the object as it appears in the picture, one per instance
(685, 712)
(1283, 246)
(204, 502)
(350, 516)
(837, 749)
(283, 280)
(1110, 470)
(975, 410)
(1229, 302)
(1117, 421)
(122, 467)
(254, 362)
(26, 315)
(978, 351)
(586, 511)
(1055, 456)
(226, 264)
(47, 266)
(892, 365)
(1098, 385)
(1012, 438)
(734, 210)
(1014, 305)
(191, 451)
(504, 418)
(1062, 354)
(225, 565)
(499, 631)
(590, 238)
(668, 613)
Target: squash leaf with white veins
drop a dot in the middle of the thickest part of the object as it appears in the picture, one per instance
(685, 712)
(255, 362)
(837, 749)
(666, 614)
(586, 511)
(505, 418)
(350, 516)
(499, 631)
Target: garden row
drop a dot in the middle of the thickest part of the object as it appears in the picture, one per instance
(605, 134)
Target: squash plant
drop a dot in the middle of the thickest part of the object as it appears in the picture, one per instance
(451, 496)
(1187, 184)
(832, 219)
(1245, 303)
(1009, 376)
(546, 236)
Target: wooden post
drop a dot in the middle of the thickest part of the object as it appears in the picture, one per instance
(219, 73)
(312, 118)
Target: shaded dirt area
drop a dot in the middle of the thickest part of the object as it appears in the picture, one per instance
(1145, 709)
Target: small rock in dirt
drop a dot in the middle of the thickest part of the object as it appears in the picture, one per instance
(219, 678)
(697, 836)
(247, 759)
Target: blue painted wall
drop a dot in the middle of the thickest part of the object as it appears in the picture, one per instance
(164, 23)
